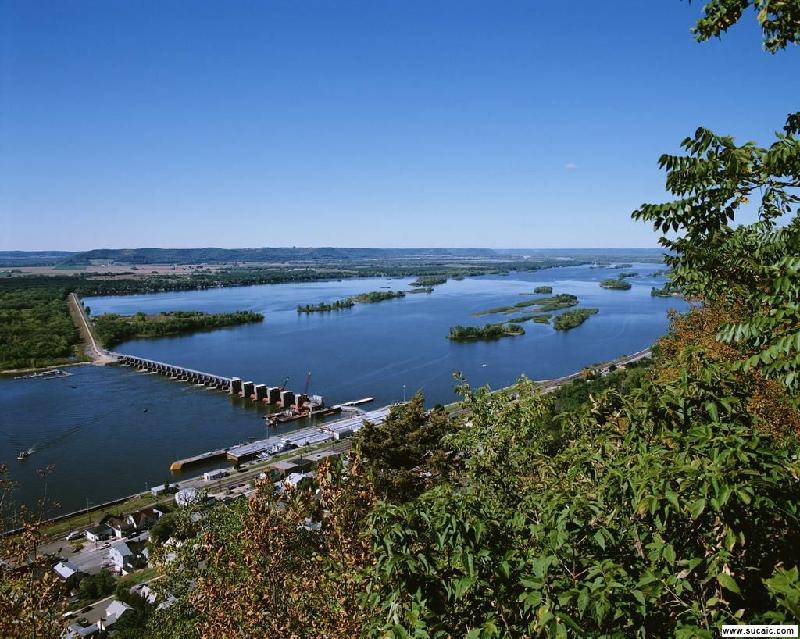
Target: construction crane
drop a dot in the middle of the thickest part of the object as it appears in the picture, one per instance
(286, 381)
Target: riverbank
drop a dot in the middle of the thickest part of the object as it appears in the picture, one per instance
(146, 421)
(83, 517)
(112, 329)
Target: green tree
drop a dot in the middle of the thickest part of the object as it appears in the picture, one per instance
(405, 454)
(779, 20)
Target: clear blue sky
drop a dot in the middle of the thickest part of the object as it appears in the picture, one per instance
(369, 123)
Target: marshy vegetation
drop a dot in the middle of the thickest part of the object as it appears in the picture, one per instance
(616, 283)
(487, 332)
(325, 307)
(571, 319)
(112, 329)
(545, 304)
(348, 302)
(429, 280)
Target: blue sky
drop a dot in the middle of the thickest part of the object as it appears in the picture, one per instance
(369, 123)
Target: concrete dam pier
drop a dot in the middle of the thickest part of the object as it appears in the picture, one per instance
(233, 385)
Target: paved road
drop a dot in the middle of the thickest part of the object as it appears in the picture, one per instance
(91, 557)
(549, 385)
(98, 354)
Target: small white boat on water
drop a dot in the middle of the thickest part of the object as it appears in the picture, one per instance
(358, 402)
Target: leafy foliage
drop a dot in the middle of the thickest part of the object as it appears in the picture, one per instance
(780, 21)
(35, 325)
(754, 267)
(94, 587)
(31, 595)
(260, 569)
(406, 454)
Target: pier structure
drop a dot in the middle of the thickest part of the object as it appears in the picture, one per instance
(307, 436)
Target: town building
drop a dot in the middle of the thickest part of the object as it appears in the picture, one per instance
(65, 569)
(99, 533)
(114, 611)
(119, 554)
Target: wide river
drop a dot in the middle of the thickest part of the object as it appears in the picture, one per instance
(111, 431)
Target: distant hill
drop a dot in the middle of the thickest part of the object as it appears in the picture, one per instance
(219, 255)
(211, 255)
(32, 258)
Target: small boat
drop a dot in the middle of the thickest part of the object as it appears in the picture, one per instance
(23, 455)
(358, 402)
(273, 419)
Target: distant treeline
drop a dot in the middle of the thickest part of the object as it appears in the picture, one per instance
(543, 290)
(487, 332)
(112, 329)
(35, 325)
(211, 255)
(90, 284)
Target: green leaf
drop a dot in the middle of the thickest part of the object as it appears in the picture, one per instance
(696, 507)
(728, 582)
(600, 540)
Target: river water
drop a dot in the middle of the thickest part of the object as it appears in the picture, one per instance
(109, 431)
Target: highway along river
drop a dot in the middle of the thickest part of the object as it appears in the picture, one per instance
(111, 431)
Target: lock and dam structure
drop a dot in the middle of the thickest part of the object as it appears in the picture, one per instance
(277, 395)
(232, 385)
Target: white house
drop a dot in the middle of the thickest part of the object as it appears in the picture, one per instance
(114, 611)
(98, 533)
(65, 569)
(118, 554)
(77, 631)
